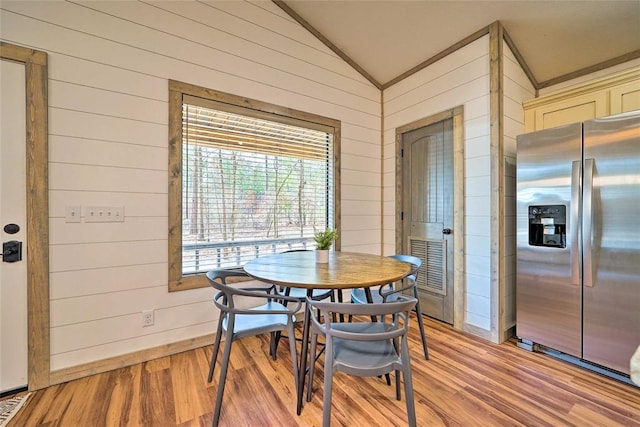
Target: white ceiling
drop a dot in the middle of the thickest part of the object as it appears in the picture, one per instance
(389, 37)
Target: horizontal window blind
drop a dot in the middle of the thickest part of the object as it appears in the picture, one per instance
(250, 187)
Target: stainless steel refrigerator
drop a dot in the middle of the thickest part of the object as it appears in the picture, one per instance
(578, 240)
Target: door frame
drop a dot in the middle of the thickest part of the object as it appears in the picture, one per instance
(37, 167)
(459, 287)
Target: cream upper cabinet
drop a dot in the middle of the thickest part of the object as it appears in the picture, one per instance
(625, 98)
(617, 94)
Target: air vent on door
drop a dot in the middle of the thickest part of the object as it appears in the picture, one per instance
(432, 276)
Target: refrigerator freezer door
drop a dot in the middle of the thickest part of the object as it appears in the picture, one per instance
(548, 290)
(612, 239)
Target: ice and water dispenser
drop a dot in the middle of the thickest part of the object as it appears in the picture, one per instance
(548, 226)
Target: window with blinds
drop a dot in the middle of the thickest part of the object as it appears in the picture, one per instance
(252, 184)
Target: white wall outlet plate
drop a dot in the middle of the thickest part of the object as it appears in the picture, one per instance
(147, 318)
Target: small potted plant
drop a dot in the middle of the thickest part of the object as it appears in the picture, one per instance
(324, 240)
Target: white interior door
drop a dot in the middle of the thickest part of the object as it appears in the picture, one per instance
(13, 275)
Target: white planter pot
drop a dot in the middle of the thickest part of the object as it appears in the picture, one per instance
(322, 256)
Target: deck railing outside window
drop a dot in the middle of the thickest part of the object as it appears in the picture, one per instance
(205, 256)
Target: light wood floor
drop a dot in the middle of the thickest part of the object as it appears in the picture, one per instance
(467, 382)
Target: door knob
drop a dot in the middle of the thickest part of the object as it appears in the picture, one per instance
(446, 231)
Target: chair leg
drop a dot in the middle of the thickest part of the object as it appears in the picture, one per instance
(223, 377)
(312, 364)
(294, 358)
(216, 347)
(425, 348)
(273, 348)
(328, 390)
(408, 385)
(398, 393)
(275, 336)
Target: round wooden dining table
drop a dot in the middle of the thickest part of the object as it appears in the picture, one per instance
(345, 270)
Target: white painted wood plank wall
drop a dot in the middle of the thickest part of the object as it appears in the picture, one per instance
(109, 65)
(517, 89)
(461, 78)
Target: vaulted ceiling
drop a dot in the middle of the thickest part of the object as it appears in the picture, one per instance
(557, 40)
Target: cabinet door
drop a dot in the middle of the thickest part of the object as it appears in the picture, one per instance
(625, 98)
(578, 109)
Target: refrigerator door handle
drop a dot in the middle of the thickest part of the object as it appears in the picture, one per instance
(587, 227)
(576, 172)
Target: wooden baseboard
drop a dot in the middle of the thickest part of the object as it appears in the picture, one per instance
(478, 332)
(116, 362)
(92, 368)
(509, 333)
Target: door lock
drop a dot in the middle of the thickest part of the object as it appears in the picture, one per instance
(446, 231)
(11, 251)
(11, 228)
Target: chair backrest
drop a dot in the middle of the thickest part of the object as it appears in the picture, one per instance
(218, 278)
(400, 309)
(225, 298)
(408, 282)
(415, 262)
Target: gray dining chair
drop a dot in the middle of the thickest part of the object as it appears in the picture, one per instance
(236, 322)
(389, 293)
(363, 347)
(299, 294)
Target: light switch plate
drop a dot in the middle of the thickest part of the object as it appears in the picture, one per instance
(104, 214)
(72, 214)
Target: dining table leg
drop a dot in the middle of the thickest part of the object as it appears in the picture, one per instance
(304, 354)
(367, 293)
